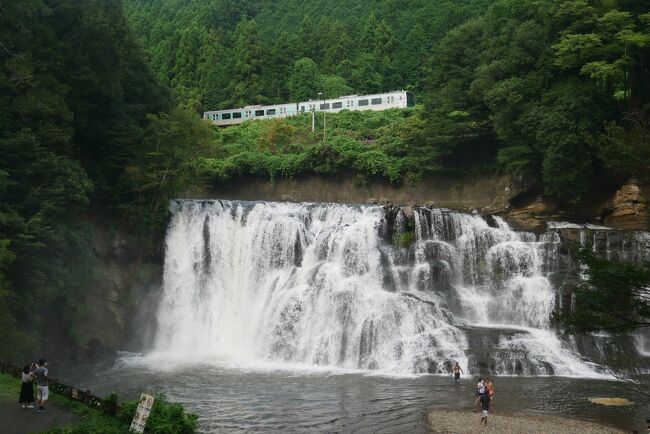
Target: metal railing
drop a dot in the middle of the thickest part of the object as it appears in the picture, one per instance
(108, 405)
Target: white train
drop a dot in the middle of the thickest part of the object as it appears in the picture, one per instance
(377, 102)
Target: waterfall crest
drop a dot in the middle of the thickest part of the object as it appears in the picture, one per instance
(322, 284)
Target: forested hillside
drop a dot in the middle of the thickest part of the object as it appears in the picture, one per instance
(83, 126)
(564, 85)
(231, 53)
(556, 91)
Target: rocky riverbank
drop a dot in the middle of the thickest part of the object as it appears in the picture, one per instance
(461, 422)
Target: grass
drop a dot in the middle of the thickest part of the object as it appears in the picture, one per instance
(165, 417)
(93, 420)
(9, 387)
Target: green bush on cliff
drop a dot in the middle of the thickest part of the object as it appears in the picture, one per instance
(368, 144)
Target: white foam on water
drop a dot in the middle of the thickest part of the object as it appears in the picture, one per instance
(315, 287)
(642, 341)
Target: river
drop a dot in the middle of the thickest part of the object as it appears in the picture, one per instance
(240, 397)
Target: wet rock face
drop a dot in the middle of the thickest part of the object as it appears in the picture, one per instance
(629, 208)
(534, 214)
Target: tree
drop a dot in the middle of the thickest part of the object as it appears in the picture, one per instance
(162, 166)
(413, 52)
(334, 86)
(279, 64)
(625, 147)
(305, 81)
(247, 83)
(613, 296)
(612, 47)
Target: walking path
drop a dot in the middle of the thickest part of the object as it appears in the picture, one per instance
(16, 420)
(462, 422)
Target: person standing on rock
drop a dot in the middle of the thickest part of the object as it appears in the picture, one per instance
(489, 388)
(42, 382)
(457, 370)
(480, 390)
(26, 398)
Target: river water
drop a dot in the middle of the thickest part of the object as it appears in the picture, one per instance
(236, 397)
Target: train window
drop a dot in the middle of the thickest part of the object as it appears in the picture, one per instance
(337, 105)
(302, 108)
(259, 112)
(325, 106)
(362, 102)
(225, 116)
(236, 115)
(375, 101)
(270, 112)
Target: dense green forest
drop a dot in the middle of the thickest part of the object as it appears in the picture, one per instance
(556, 91)
(100, 110)
(230, 53)
(83, 125)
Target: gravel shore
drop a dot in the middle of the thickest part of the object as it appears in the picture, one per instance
(458, 422)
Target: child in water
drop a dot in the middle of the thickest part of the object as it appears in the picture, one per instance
(457, 370)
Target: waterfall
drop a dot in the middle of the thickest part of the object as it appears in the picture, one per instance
(326, 285)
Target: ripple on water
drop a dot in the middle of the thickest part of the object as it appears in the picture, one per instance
(238, 400)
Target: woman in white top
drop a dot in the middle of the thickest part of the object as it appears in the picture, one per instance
(27, 388)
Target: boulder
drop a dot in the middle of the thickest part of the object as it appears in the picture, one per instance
(629, 208)
(385, 202)
(429, 204)
(533, 214)
(408, 212)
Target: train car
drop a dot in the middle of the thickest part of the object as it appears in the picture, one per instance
(377, 102)
(239, 115)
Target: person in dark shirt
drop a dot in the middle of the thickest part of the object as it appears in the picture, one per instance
(485, 406)
(42, 382)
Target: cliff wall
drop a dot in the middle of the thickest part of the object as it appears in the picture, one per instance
(620, 205)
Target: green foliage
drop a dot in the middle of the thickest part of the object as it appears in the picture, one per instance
(160, 168)
(403, 240)
(371, 144)
(166, 417)
(625, 148)
(545, 76)
(304, 82)
(76, 99)
(227, 53)
(614, 296)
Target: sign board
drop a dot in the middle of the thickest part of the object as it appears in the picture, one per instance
(142, 413)
(74, 393)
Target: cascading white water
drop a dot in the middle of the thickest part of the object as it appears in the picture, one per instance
(319, 284)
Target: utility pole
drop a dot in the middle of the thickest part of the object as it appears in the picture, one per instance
(320, 94)
(313, 119)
